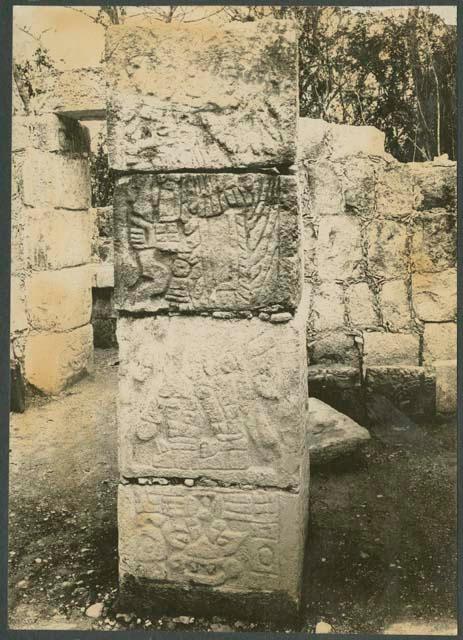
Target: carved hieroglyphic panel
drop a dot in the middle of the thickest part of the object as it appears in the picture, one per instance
(201, 96)
(227, 539)
(225, 399)
(206, 242)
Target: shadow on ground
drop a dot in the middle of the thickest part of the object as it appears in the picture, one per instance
(381, 549)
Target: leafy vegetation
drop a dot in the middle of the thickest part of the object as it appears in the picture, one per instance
(394, 70)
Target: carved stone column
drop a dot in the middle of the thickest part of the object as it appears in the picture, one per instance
(213, 371)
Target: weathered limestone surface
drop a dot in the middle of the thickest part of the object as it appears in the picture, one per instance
(412, 389)
(434, 241)
(74, 93)
(59, 300)
(56, 239)
(49, 133)
(434, 295)
(207, 241)
(55, 360)
(382, 348)
(51, 244)
(439, 341)
(331, 433)
(18, 317)
(202, 97)
(446, 386)
(225, 399)
(233, 540)
(395, 305)
(339, 247)
(379, 253)
(53, 180)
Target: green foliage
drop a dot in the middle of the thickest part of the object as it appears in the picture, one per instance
(101, 176)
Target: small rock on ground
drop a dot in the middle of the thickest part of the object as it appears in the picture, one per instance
(323, 627)
(332, 434)
(94, 610)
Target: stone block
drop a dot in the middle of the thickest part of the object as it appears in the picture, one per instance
(324, 194)
(361, 305)
(202, 96)
(312, 137)
(381, 348)
(55, 180)
(55, 360)
(434, 241)
(226, 539)
(446, 386)
(49, 133)
(395, 305)
(332, 434)
(225, 399)
(104, 276)
(434, 295)
(394, 191)
(344, 376)
(207, 241)
(359, 185)
(73, 93)
(439, 342)
(411, 389)
(59, 300)
(18, 229)
(20, 133)
(57, 238)
(339, 386)
(387, 252)
(318, 138)
(434, 186)
(18, 318)
(335, 347)
(327, 307)
(339, 248)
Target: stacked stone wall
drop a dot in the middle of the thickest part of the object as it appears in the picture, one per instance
(380, 264)
(51, 334)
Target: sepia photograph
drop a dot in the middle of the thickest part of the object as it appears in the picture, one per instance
(233, 319)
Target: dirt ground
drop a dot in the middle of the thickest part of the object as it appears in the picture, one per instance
(381, 553)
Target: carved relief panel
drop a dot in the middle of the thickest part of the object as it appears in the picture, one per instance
(204, 242)
(198, 397)
(226, 539)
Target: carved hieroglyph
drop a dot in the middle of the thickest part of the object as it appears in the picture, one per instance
(206, 241)
(226, 399)
(201, 96)
(228, 539)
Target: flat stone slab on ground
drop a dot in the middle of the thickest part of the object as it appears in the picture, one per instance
(201, 242)
(232, 540)
(224, 399)
(202, 97)
(331, 433)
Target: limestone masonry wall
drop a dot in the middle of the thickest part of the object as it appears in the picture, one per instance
(51, 334)
(380, 265)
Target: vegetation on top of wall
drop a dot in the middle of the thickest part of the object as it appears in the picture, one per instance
(394, 70)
